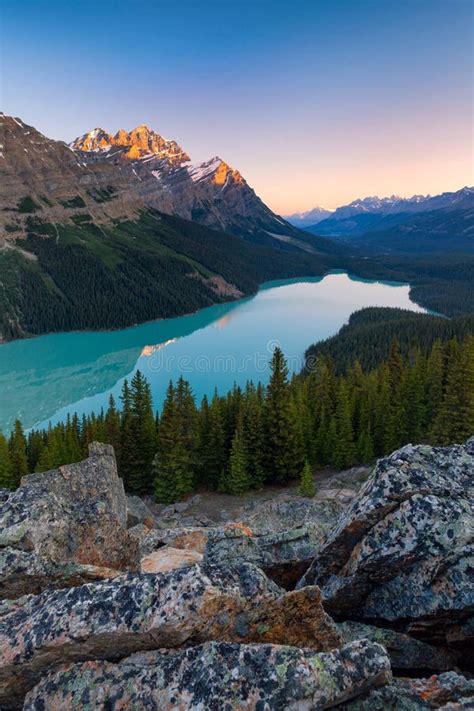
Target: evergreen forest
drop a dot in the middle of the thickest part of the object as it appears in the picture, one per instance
(246, 438)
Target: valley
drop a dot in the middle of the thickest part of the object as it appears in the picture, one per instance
(236, 356)
(115, 230)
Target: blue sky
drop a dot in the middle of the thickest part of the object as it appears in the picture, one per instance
(314, 102)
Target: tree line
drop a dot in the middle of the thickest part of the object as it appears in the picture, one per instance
(265, 434)
(369, 333)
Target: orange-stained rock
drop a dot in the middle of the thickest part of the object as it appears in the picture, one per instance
(112, 619)
(239, 526)
(165, 559)
(193, 540)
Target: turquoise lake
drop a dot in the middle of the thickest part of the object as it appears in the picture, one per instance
(42, 379)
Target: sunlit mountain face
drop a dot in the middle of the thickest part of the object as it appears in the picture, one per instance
(102, 177)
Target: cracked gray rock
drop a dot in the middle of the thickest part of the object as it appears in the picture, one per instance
(217, 676)
(115, 618)
(403, 551)
(65, 526)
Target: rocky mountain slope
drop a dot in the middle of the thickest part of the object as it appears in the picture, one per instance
(114, 230)
(110, 177)
(393, 569)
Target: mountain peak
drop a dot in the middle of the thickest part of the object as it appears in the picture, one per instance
(143, 128)
(140, 142)
(309, 217)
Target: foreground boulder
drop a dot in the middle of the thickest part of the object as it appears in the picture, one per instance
(403, 552)
(116, 618)
(283, 555)
(66, 526)
(405, 652)
(448, 691)
(138, 512)
(217, 676)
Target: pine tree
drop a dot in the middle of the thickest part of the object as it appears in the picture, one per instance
(467, 400)
(414, 398)
(365, 447)
(449, 421)
(112, 427)
(34, 447)
(212, 451)
(434, 381)
(235, 479)
(53, 454)
(321, 397)
(71, 449)
(172, 465)
(164, 471)
(18, 456)
(395, 365)
(231, 410)
(187, 419)
(307, 487)
(282, 445)
(303, 419)
(253, 434)
(344, 455)
(396, 412)
(142, 446)
(382, 434)
(6, 470)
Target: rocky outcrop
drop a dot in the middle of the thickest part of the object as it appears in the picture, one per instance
(217, 676)
(151, 540)
(281, 537)
(138, 513)
(405, 652)
(283, 555)
(66, 526)
(203, 627)
(403, 552)
(448, 691)
(141, 142)
(116, 618)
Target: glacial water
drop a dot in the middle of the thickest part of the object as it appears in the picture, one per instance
(42, 379)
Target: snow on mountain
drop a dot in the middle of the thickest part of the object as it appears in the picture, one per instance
(374, 213)
(201, 171)
(107, 177)
(396, 204)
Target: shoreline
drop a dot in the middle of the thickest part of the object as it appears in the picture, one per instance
(266, 284)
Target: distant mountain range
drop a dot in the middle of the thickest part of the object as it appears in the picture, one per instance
(116, 229)
(422, 223)
(308, 218)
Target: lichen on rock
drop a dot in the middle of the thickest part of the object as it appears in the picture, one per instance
(217, 676)
(118, 617)
(66, 526)
(404, 550)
